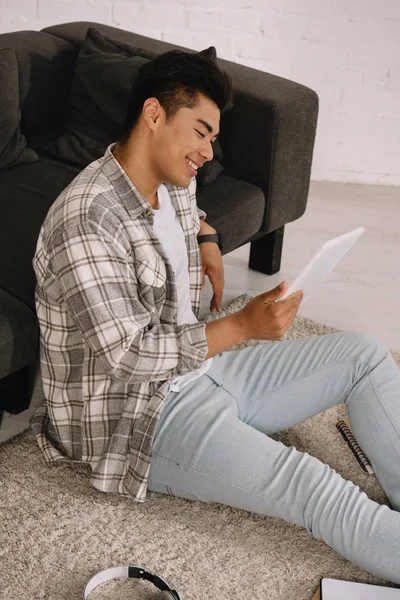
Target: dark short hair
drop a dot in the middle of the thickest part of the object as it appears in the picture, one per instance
(176, 78)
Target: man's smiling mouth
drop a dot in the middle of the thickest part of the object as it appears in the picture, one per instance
(192, 166)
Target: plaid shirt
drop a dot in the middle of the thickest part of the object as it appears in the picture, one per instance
(107, 306)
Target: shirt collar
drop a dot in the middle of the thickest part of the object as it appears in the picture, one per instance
(129, 195)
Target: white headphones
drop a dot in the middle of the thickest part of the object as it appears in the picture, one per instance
(166, 592)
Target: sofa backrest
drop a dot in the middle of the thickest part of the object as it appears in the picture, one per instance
(75, 33)
(46, 66)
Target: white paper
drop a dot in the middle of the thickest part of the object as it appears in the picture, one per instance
(334, 589)
(321, 264)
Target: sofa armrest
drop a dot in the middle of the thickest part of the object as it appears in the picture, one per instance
(268, 140)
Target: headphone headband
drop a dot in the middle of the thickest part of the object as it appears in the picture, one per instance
(129, 572)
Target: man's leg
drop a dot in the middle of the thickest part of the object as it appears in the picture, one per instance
(288, 382)
(211, 441)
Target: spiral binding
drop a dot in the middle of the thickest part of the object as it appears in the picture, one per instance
(354, 447)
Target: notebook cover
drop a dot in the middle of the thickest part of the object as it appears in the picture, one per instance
(337, 589)
(317, 595)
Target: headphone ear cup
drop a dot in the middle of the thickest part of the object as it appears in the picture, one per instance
(165, 596)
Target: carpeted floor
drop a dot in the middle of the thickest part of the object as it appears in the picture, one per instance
(57, 531)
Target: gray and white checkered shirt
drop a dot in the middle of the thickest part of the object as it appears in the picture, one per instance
(109, 344)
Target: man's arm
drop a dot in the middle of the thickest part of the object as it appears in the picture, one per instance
(205, 228)
(224, 333)
(227, 331)
(99, 289)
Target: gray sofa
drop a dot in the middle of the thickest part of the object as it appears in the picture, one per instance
(267, 142)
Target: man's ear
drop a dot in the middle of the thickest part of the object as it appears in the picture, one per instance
(151, 111)
(210, 52)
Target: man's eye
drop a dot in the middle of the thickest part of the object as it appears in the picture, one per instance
(202, 134)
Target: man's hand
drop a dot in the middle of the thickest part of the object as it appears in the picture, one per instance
(213, 267)
(211, 259)
(264, 319)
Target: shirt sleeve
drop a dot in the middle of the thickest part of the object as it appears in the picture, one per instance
(201, 213)
(99, 288)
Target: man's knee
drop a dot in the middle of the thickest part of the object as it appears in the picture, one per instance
(368, 347)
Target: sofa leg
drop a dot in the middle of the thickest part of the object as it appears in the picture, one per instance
(15, 391)
(266, 252)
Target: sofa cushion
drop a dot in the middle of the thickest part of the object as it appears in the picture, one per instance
(235, 208)
(105, 72)
(26, 194)
(13, 148)
(104, 75)
(19, 334)
(46, 65)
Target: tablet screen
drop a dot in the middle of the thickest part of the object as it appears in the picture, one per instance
(322, 263)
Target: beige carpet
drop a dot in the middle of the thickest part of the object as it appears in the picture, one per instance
(56, 531)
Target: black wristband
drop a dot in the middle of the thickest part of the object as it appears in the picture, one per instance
(211, 237)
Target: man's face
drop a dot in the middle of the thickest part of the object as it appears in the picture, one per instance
(185, 142)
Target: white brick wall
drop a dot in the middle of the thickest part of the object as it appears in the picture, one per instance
(347, 50)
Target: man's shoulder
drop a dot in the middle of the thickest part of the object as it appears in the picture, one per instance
(86, 187)
(88, 197)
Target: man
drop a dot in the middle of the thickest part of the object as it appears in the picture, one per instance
(141, 390)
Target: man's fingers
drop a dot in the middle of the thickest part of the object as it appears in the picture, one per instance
(216, 303)
(217, 282)
(293, 299)
(298, 296)
(216, 277)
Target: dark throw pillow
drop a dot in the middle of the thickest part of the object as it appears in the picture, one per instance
(210, 52)
(211, 169)
(104, 74)
(102, 84)
(13, 149)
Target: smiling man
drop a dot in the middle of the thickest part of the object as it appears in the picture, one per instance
(141, 390)
(119, 265)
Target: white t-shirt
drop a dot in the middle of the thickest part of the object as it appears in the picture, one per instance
(170, 233)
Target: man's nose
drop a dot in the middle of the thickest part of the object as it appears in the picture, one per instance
(207, 150)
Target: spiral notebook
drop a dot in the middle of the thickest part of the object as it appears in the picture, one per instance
(344, 427)
(335, 589)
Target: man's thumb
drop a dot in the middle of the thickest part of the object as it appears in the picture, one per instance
(277, 291)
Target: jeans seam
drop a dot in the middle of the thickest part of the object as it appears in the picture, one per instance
(293, 506)
(304, 376)
(236, 401)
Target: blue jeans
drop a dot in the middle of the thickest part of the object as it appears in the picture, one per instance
(212, 443)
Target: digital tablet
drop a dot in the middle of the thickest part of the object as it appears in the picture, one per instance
(322, 263)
